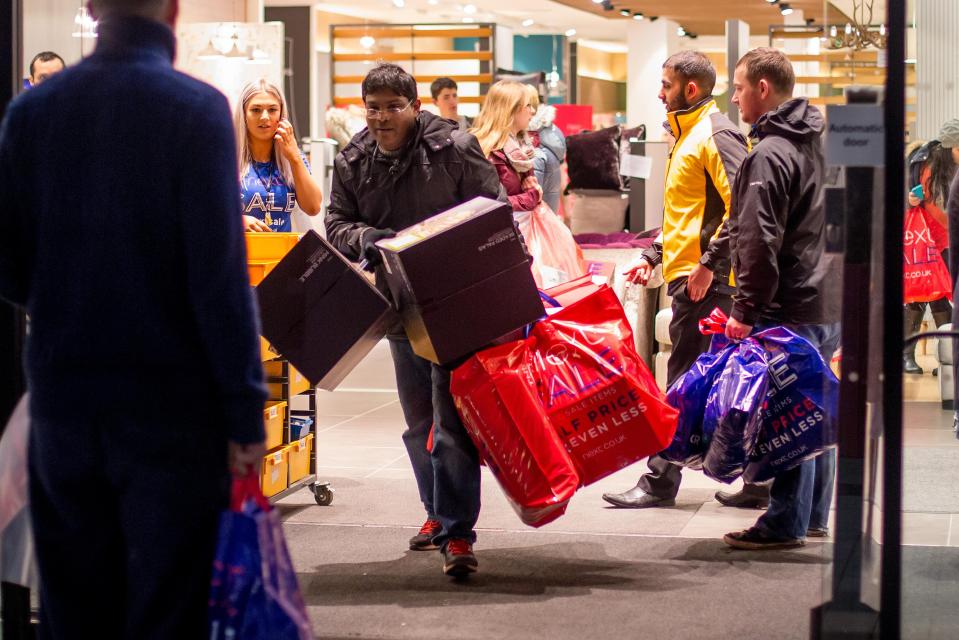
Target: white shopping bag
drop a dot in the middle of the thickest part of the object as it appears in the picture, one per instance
(17, 564)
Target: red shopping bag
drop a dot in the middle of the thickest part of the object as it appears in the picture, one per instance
(599, 395)
(556, 256)
(926, 277)
(495, 395)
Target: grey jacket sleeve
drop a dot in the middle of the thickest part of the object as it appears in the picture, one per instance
(731, 147)
(344, 227)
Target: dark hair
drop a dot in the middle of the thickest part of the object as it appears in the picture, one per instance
(45, 56)
(693, 66)
(772, 65)
(389, 77)
(442, 83)
(127, 6)
(942, 168)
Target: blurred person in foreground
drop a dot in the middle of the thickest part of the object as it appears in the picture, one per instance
(123, 241)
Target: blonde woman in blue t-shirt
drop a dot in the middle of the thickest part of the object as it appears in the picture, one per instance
(274, 176)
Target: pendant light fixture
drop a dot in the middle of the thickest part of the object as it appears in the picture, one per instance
(86, 26)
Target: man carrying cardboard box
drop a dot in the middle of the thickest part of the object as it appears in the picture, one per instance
(406, 166)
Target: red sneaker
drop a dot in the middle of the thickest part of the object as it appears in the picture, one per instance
(458, 558)
(423, 541)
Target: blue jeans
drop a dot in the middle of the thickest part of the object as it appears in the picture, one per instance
(448, 478)
(800, 498)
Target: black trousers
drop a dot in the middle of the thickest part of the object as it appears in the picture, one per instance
(664, 477)
(125, 511)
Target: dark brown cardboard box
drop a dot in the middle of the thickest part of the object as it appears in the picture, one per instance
(461, 279)
(320, 313)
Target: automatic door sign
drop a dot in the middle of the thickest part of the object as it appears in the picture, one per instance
(855, 136)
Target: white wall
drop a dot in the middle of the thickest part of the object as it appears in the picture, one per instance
(649, 44)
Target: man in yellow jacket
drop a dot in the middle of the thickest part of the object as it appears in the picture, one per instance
(694, 248)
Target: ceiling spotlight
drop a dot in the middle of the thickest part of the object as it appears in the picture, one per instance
(691, 35)
(607, 5)
(528, 22)
(469, 9)
(638, 16)
(653, 18)
(597, 1)
(681, 32)
(785, 9)
(399, 4)
(570, 33)
(772, 1)
(367, 42)
(624, 13)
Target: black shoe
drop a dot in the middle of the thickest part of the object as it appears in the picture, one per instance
(817, 532)
(636, 498)
(751, 497)
(458, 558)
(754, 539)
(423, 541)
(909, 365)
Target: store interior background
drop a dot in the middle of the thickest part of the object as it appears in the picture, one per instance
(597, 571)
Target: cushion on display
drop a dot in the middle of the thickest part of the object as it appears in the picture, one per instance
(944, 348)
(593, 159)
(598, 211)
(661, 361)
(663, 318)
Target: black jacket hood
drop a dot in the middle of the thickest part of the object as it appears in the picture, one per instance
(795, 119)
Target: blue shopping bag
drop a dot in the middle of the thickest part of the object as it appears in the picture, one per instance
(733, 409)
(254, 594)
(800, 417)
(689, 394)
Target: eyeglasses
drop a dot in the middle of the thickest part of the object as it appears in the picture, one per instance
(391, 110)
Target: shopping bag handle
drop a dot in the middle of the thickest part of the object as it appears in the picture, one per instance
(549, 299)
(714, 323)
(247, 487)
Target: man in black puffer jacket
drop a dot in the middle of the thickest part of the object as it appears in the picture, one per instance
(406, 166)
(777, 241)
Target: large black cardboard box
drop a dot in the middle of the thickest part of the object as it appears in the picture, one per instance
(461, 279)
(320, 313)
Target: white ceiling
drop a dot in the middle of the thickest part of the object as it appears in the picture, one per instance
(549, 17)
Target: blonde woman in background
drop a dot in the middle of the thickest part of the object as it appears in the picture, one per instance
(274, 176)
(500, 128)
(501, 131)
(550, 145)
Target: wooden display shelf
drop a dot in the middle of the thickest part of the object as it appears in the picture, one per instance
(410, 32)
(837, 55)
(482, 56)
(486, 78)
(844, 80)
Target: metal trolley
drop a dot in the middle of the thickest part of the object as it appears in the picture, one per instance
(322, 491)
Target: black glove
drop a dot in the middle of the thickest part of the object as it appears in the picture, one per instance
(371, 255)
